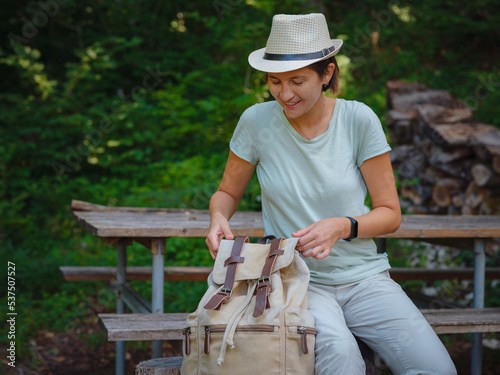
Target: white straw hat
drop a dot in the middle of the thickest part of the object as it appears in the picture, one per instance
(295, 41)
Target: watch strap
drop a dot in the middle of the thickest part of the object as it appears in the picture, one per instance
(354, 229)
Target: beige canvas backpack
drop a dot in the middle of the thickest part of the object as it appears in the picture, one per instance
(253, 319)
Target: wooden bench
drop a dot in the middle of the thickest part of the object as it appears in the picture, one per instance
(134, 273)
(169, 327)
(145, 327)
(71, 273)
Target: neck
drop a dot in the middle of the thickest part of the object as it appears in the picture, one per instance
(313, 117)
(312, 128)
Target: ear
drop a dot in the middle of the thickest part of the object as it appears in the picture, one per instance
(329, 73)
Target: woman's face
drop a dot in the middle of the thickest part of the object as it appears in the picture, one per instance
(296, 91)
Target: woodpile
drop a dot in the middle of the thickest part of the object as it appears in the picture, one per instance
(446, 162)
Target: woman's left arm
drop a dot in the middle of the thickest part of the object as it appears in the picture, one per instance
(385, 217)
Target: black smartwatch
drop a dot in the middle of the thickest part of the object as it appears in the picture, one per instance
(354, 229)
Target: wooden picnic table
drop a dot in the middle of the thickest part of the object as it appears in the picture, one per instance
(120, 226)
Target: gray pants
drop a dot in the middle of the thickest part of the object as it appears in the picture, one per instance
(378, 312)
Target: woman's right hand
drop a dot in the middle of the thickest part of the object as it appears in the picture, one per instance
(219, 228)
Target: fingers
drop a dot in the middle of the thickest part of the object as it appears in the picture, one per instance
(215, 236)
(301, 232)
(316, 253)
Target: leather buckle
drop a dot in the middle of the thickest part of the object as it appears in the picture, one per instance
(228, 292)
(263, 280)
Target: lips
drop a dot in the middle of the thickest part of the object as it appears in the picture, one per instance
(291, 104)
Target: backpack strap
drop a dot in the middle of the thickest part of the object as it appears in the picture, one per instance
(264, 282)
(265, 240)
(226, 290)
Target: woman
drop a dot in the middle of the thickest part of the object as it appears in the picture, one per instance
(315, 158)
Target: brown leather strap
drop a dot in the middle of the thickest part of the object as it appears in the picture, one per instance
(264, 283)
(265, 240)
(226, 290)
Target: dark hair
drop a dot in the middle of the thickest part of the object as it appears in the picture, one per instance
(320, 67)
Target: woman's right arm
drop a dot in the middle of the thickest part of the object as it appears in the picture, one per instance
(225, 200)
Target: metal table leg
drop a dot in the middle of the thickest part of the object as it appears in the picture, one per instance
(158, 250)
(478, 303)
(120, 309)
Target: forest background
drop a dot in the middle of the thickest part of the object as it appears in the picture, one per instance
(133, 103)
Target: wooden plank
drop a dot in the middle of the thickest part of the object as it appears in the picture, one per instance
(77, 205)
(404, 273)
(459, 134)
(201, 273)
(463, 320)
(134, 273)
(143, 327)
(444, 226)
(188, 223)
(131, 327)
(195, 223)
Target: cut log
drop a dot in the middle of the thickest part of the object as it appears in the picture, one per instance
(412, 166)
(402, 132)
(459, 134)
(394, 116)
(432, 113)
(490, 206)
(458, 169)
(484, 176)
(441, 196)
(489, 136)
(440, 156)
(160, 366)
(408, 101)
(417, 194)
(444, 189)
(474, 195)
(401, 153)
(458, 200)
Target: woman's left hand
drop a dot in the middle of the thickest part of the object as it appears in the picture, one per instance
(317, 239)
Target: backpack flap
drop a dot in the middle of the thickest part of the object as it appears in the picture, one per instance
(255, 256)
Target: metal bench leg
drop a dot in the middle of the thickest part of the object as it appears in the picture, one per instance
(120, 308)
(158, 249)
(478, 303)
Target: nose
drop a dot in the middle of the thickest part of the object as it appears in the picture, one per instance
(286, 92)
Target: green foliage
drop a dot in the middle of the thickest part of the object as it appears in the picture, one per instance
(127, 103)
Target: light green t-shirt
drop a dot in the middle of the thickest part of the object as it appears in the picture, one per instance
(305, 181)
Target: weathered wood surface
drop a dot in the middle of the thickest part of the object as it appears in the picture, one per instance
(134, 273)
(432, 113)
(201, 273)
(160, 366)
(158, 223)
(195, 223)
(443, 226)
(406, 273)
(145, 327)
(173, 365)
(463, 320)
(485, 176)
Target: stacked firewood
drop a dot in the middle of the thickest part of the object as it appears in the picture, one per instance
(446, 163)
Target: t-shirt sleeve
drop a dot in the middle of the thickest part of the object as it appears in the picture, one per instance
(243, 142)
(371, 139)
